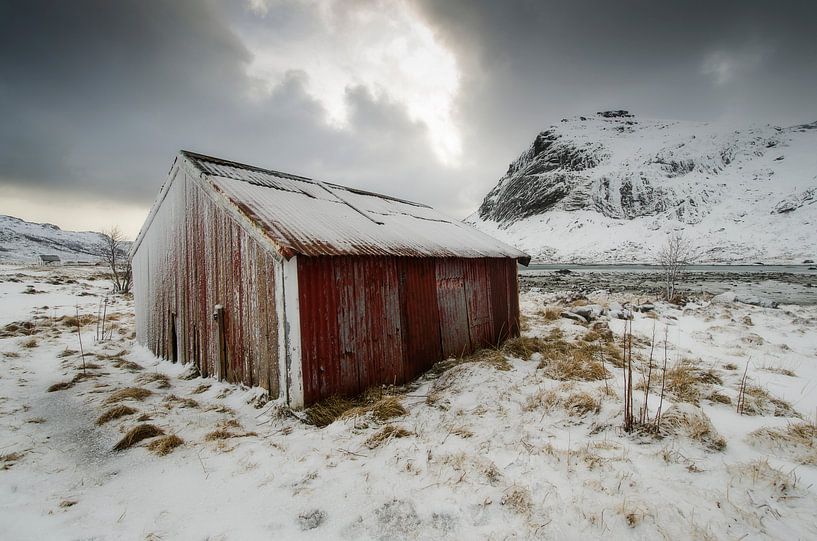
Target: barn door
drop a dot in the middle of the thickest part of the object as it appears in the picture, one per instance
(453, 308)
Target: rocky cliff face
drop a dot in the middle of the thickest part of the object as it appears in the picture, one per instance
(610, 187)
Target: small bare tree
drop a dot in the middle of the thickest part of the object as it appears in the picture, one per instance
(116, 257)
(674, 256)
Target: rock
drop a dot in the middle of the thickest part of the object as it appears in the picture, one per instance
(311, 519)
(730, 297)
(807, 261)
(573, 316)
(589, 312)
(644, 308)
(727, 297)
(564, 271)
(757, 301)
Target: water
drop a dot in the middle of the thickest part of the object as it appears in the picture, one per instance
(736, 269)
(786, 284)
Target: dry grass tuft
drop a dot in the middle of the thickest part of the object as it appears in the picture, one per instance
(684, 381)
(219, 434)
(579, 365)
(522, 347)
(385, 434)
(518, 500)
(545, 399)
(7, 460)
(719, 398)
(165, 445)
(201, 388)
(222, 434)
(489, 356)
(161, 380)
(679, 420)
(371, 402)
(783, 486)
(758, 401)
(781, 371)
(172, 399)
(388, 408)
(11, 354)
(550, 313)
(61, 386)
(30, 343)
(799, 440)
(128, 393)
(582, 403)
(114, 413)
(124, 364)
(67, 353)
(327, 411)
(137, 434)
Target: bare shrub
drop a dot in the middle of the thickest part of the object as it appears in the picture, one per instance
(116, 257)
(674, 256)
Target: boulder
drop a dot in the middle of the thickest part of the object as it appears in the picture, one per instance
(589, 312)
(573, 316)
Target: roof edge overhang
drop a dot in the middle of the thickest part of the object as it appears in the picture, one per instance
(185, 162)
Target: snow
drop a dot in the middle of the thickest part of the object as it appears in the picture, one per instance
(739, 193)
(24, 242)
(479, 465)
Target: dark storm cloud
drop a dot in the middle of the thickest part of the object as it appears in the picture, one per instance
(97, 97)
(526, 63)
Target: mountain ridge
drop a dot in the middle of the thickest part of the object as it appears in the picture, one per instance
(23, 242)
(610, 188)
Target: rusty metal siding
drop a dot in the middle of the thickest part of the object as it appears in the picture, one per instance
(368, 320)
(194, 256)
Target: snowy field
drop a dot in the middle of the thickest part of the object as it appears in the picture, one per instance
(501, 445)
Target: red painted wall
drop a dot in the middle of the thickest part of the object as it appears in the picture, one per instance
(372, 320)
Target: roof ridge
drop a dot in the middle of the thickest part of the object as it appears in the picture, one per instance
(220, 161)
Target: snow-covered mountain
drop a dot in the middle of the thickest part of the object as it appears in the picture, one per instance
(22, 241)
(610, 187)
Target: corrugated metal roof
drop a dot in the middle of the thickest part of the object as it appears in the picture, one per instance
(310, 217)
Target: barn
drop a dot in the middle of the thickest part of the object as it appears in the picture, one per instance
(310, 289)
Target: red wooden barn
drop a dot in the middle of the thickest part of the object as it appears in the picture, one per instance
(310, 289)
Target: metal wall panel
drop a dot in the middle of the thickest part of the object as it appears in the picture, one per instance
(367, 321)
(193, 257)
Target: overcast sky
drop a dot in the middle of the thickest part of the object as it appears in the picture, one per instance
(420, 99)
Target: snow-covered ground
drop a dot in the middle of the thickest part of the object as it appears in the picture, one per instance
(494, 450)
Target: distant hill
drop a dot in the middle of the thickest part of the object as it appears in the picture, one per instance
(22, 241)
(610, 187)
